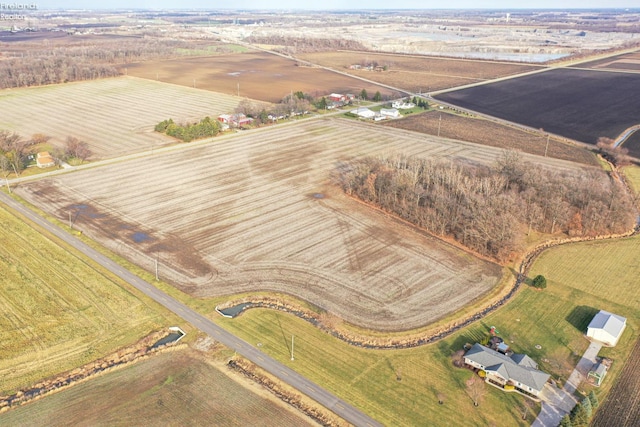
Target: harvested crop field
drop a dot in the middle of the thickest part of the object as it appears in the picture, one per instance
(114, 116)
(254, 211)
(622, 405)
(487, 132)
(633, 144)
(254, 75)
(417, 73)
(175, 388)
(578, 104)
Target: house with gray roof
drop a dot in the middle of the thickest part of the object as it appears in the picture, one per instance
(518, 370)
(606, 327)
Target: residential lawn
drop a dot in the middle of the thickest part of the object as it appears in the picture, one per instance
(396, 387)
(582, 279)
(58, 310)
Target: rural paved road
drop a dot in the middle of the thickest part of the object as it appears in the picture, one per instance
(284, 373)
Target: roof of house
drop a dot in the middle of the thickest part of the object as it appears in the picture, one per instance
(608, 322)
(518, 367)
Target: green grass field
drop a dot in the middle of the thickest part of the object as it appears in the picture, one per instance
(57, 309)
(632, 173)
(582, 279)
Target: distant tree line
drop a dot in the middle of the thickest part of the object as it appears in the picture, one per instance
(26, 64)
(305, 44)
(205, 128)
(490, 209)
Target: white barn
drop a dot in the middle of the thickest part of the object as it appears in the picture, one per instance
(606, 327)
(364, 113)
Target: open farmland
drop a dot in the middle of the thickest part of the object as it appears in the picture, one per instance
(176, 388)
(57, 310)
(578, 104)
(624, 62)
(255, 75)
(254, 211)
(417, 73)
(622, 406)
(633, 144)
(488, 132)
(401, 387)
(114, 116)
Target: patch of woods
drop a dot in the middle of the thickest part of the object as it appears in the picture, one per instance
(30, 64)
(490, 209)
(17, 153)
(190, 131)
(292, 45)
(618, 155)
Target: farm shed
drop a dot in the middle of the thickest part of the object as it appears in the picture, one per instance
(44, 160)
(606, 327)
(364, 112)
(518, 370)
(597, 374)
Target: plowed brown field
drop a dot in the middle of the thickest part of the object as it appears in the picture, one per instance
(491, 133)
(253, 211)
(417, 73)
(256, 75)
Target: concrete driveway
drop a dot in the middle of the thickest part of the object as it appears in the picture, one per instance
(557, 402)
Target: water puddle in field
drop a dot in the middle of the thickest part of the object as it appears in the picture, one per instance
(85, 210)
(317, 196)
(172, 337)
(140, 237)
(235, 310)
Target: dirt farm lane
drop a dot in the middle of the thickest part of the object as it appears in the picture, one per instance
(282, 372)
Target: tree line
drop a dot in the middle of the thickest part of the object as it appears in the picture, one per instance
(26, 64)
(292, 45)
(490, 209)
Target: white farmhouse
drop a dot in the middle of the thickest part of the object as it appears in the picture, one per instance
(390, 112)
(606, 327)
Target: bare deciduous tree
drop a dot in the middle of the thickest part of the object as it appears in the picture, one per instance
(75, 148)
(476, 389)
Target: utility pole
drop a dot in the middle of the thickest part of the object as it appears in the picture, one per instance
(439, 121)
(292, 347)
(546, 146)
(157, 269)
(70, 223)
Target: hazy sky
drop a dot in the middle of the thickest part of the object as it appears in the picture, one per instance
(330, 4)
